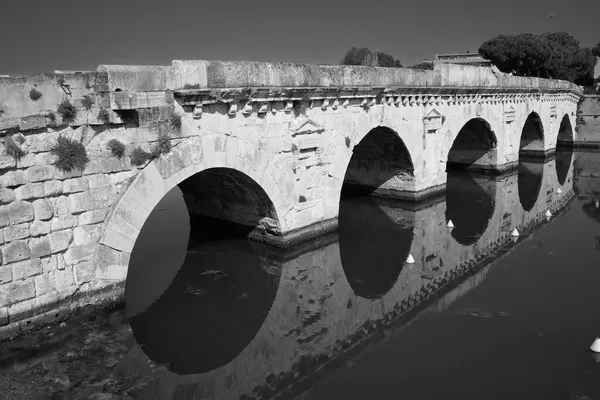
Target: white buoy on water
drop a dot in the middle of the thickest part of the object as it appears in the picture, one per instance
(559, 191)
(450, 224)
(595, 347)
(548, 214)
(514, 233)
(410, 259)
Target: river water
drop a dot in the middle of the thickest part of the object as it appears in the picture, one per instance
(478, 315)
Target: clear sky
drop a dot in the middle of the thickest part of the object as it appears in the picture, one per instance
(44, 35)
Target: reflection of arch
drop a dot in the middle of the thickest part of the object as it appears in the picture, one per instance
(470, 205)
(564, 158)
(212, 310)
(565, 133)
(532, 136)
(380, 164)
(474, 147)
(529, 182)
(374, 238)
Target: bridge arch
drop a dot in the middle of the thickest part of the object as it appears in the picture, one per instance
(380, 164)
(474, 148)
(124, 222)
(531, 143)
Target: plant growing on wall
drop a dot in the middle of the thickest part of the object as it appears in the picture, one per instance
(162, 146)
(116, 148)
(51, 117)
(67, 111)
(176, 121)
(87, 102)
(35, 94)
(104, 116)
(70, 154)
(12, 148)
(139, 156)
(194, 86)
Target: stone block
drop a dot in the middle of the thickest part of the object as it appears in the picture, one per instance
(60, 240)
(39, 228)
(44, 284)
(39, 173)
(84, 272)
(77, 254)
(28, 160)
(47, 301)
(60, 262)
(93, 167)
(15, 251)
(30, 122)
(92, 217)
(74, 173)
(63, 222)
(5, 274)
(46, 158)
(98, 181)
(87, 234)
(40, 247)
(53, 188)
(60, 206)
(120, 177)
(49, 264)
(17, 291)
(75, 185)
(30, 191)
(116, 164)
(64, 280)
(15, 232)
(13, 178)
(27, 268)
(3, 316)
(7, 161)
(43, 209)
(21, 310)
(19, 212)
(4, 220)
(6, 195)
(93, 199)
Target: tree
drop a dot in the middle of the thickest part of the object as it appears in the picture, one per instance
(364, 56)
(422, 65)
(549, 55)
(596, 50)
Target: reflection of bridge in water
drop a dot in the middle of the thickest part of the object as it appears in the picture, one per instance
(305, 313)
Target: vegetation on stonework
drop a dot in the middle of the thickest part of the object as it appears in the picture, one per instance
(347, 141)
(366, 57)
(176, 121)
(70, 154)
(422, 65)
(116, 148)
(104, 116)
(194, 86)
(87, 102)
(61, 81)
(549, 55)
(12, 148)
(35, 94)
(52, 117)
(67, 111)
(162, 146)
(139, 156)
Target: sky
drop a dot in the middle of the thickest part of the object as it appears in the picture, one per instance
(45, 35)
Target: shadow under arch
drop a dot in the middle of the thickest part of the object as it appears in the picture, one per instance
(375, 237)
(380, 165)
(470, 204)
(564, 149)
(474, 147)
(529, 181)
(224, 288)
(565, 133)
(531, 143)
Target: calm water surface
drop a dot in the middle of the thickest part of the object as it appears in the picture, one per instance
(477, 316)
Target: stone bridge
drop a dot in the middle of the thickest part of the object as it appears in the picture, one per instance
(264, 148)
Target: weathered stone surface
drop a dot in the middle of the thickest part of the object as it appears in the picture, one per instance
(40, 247)
(27, 268)
(3, 316)
(13, 178)
(15, 251)
(7, 161)
(17, 291)
(19, 212)
(92, 217)
(28, 160)
(77, 254)
(6, 196)
(5, 274)
(63, 222)
(53, 188)
(84, 272)
(40, 173)
(44, 284)
(60, 206)
(93, 199)
(39, 228)
(30, 191)
(87, 234)
(15, 232)
(4, 220)
(60, 240)
(98, 181)
(47, 158)
(64, 280)
(43, 209)
(75, 185)
(21, 310)
(30, 122)
(49, 264)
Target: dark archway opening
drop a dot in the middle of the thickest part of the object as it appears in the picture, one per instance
(470, 204)
(532, 138)
(529, 182)
(564, 150)
(474, 148)
(380, 165)
(565, 134)
(375, 237)
(197, 293)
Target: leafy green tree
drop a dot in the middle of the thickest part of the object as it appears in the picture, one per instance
(364, 56)
(422, 65)
(596, 50)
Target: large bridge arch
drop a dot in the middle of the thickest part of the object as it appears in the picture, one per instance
(127, 216)
(532, 137)
(474, 147)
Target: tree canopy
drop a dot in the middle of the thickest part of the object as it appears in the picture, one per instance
(422, 65)
(596, 50)
(364, 56)
(549, 55)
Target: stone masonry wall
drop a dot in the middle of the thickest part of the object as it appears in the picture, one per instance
(588, 122)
